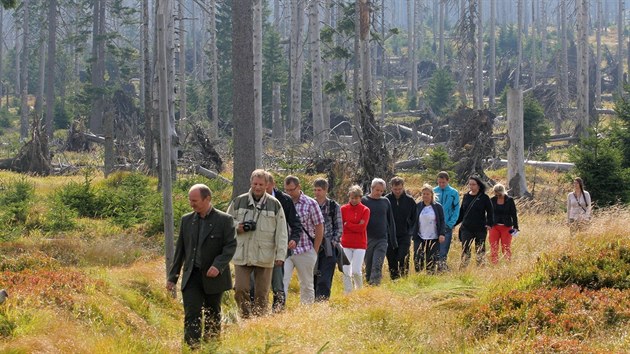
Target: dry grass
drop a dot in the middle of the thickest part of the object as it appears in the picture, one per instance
(121, 304)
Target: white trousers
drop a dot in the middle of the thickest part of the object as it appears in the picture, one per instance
(355, 256)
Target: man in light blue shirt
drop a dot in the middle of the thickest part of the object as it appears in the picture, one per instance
(448, 197)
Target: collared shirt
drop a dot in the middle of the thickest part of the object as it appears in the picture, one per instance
(330, 232)
(310, 215)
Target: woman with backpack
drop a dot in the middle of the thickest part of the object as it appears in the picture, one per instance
(578, 206)
(477, 217)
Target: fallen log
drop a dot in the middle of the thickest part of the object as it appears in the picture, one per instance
(211, 174)
(546, 165)
(409, 164)
(422, 136)
(94, 138)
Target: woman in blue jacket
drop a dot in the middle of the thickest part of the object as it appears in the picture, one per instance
(428, 230)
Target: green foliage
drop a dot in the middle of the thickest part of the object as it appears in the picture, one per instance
(335, 85)
(123, 197)
(438, 160)
(60, 217)
(507, 41)
(61, 118)
(6, 326)
(439, 92)
(535, 127)
(6, 118)
(621, 129)
(81, 197)
(608, 267)
(9, 4)
(391, 102)
(15, 200)
(275, 69)
(598, 160)
(412, 102)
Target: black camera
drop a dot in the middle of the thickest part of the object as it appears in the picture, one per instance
(249, 225)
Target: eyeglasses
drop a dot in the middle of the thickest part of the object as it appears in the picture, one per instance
(290, 190)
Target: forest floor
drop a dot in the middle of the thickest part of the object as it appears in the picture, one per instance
(100, 289)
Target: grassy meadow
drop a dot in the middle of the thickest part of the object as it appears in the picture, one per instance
(85, 274)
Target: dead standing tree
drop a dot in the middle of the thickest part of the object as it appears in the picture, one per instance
(34, 156)
(374, 158)
(471, 141)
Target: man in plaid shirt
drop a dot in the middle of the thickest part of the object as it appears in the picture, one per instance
(304, 256)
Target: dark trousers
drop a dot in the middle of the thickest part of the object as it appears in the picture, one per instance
(398, 260)
(427, 255)
(196, 303)
(417, 241)
(467, 238)
(374, 259)
(324, 272)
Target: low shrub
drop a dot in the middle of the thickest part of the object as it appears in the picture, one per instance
(81, 197)
(15, 199)
(556, 312)
(59, 217)
(123, 196)
(608, 267)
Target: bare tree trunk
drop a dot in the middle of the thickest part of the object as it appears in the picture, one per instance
(534, 59)
(564, 56)
(278, 124)
(441, 34)
(257, 43)
(163, 60)
(195, 40)
(411, 50)
(39, 98)
(383, 55)
(2, 54)
(24, 110)
(214, 71)
(297, 66)
(243, 98)
(149, 121)
(493, 54)
(326, 68)
(364, 42)
(108, 132)
(479, 66)
(583, 81)
(516, 158)
(316, 76)
(543, 34)
(18, 60)
(182, 61)
(356, 81)
(519, 45)
(98, 66)
(50, 67)
(598, 56)
(620, 44)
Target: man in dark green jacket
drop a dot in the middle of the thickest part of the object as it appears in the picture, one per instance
(205, 246)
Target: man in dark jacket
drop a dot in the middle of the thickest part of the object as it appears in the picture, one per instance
(205, 246)
(404, 209)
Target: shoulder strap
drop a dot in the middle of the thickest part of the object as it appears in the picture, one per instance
(578, 201)
(470, 207)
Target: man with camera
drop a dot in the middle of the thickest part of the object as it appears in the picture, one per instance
(205, 246)
(261, 243)
(304, 256)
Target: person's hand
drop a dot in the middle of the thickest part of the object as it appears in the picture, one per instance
(442, 238)
(170, 286)
(212, 272)
(292, 245)
(279, 262)
(361, 222)
(239, 228)
(488, 227)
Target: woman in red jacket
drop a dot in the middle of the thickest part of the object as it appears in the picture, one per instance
(355, 217)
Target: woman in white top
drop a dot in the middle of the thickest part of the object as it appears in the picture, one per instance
(578, 205)
(428, 230)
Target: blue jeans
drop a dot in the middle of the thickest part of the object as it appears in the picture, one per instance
(446, 245)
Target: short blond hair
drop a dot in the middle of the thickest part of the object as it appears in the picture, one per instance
(355, 191)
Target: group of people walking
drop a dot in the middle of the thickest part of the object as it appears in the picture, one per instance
(267, 234)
